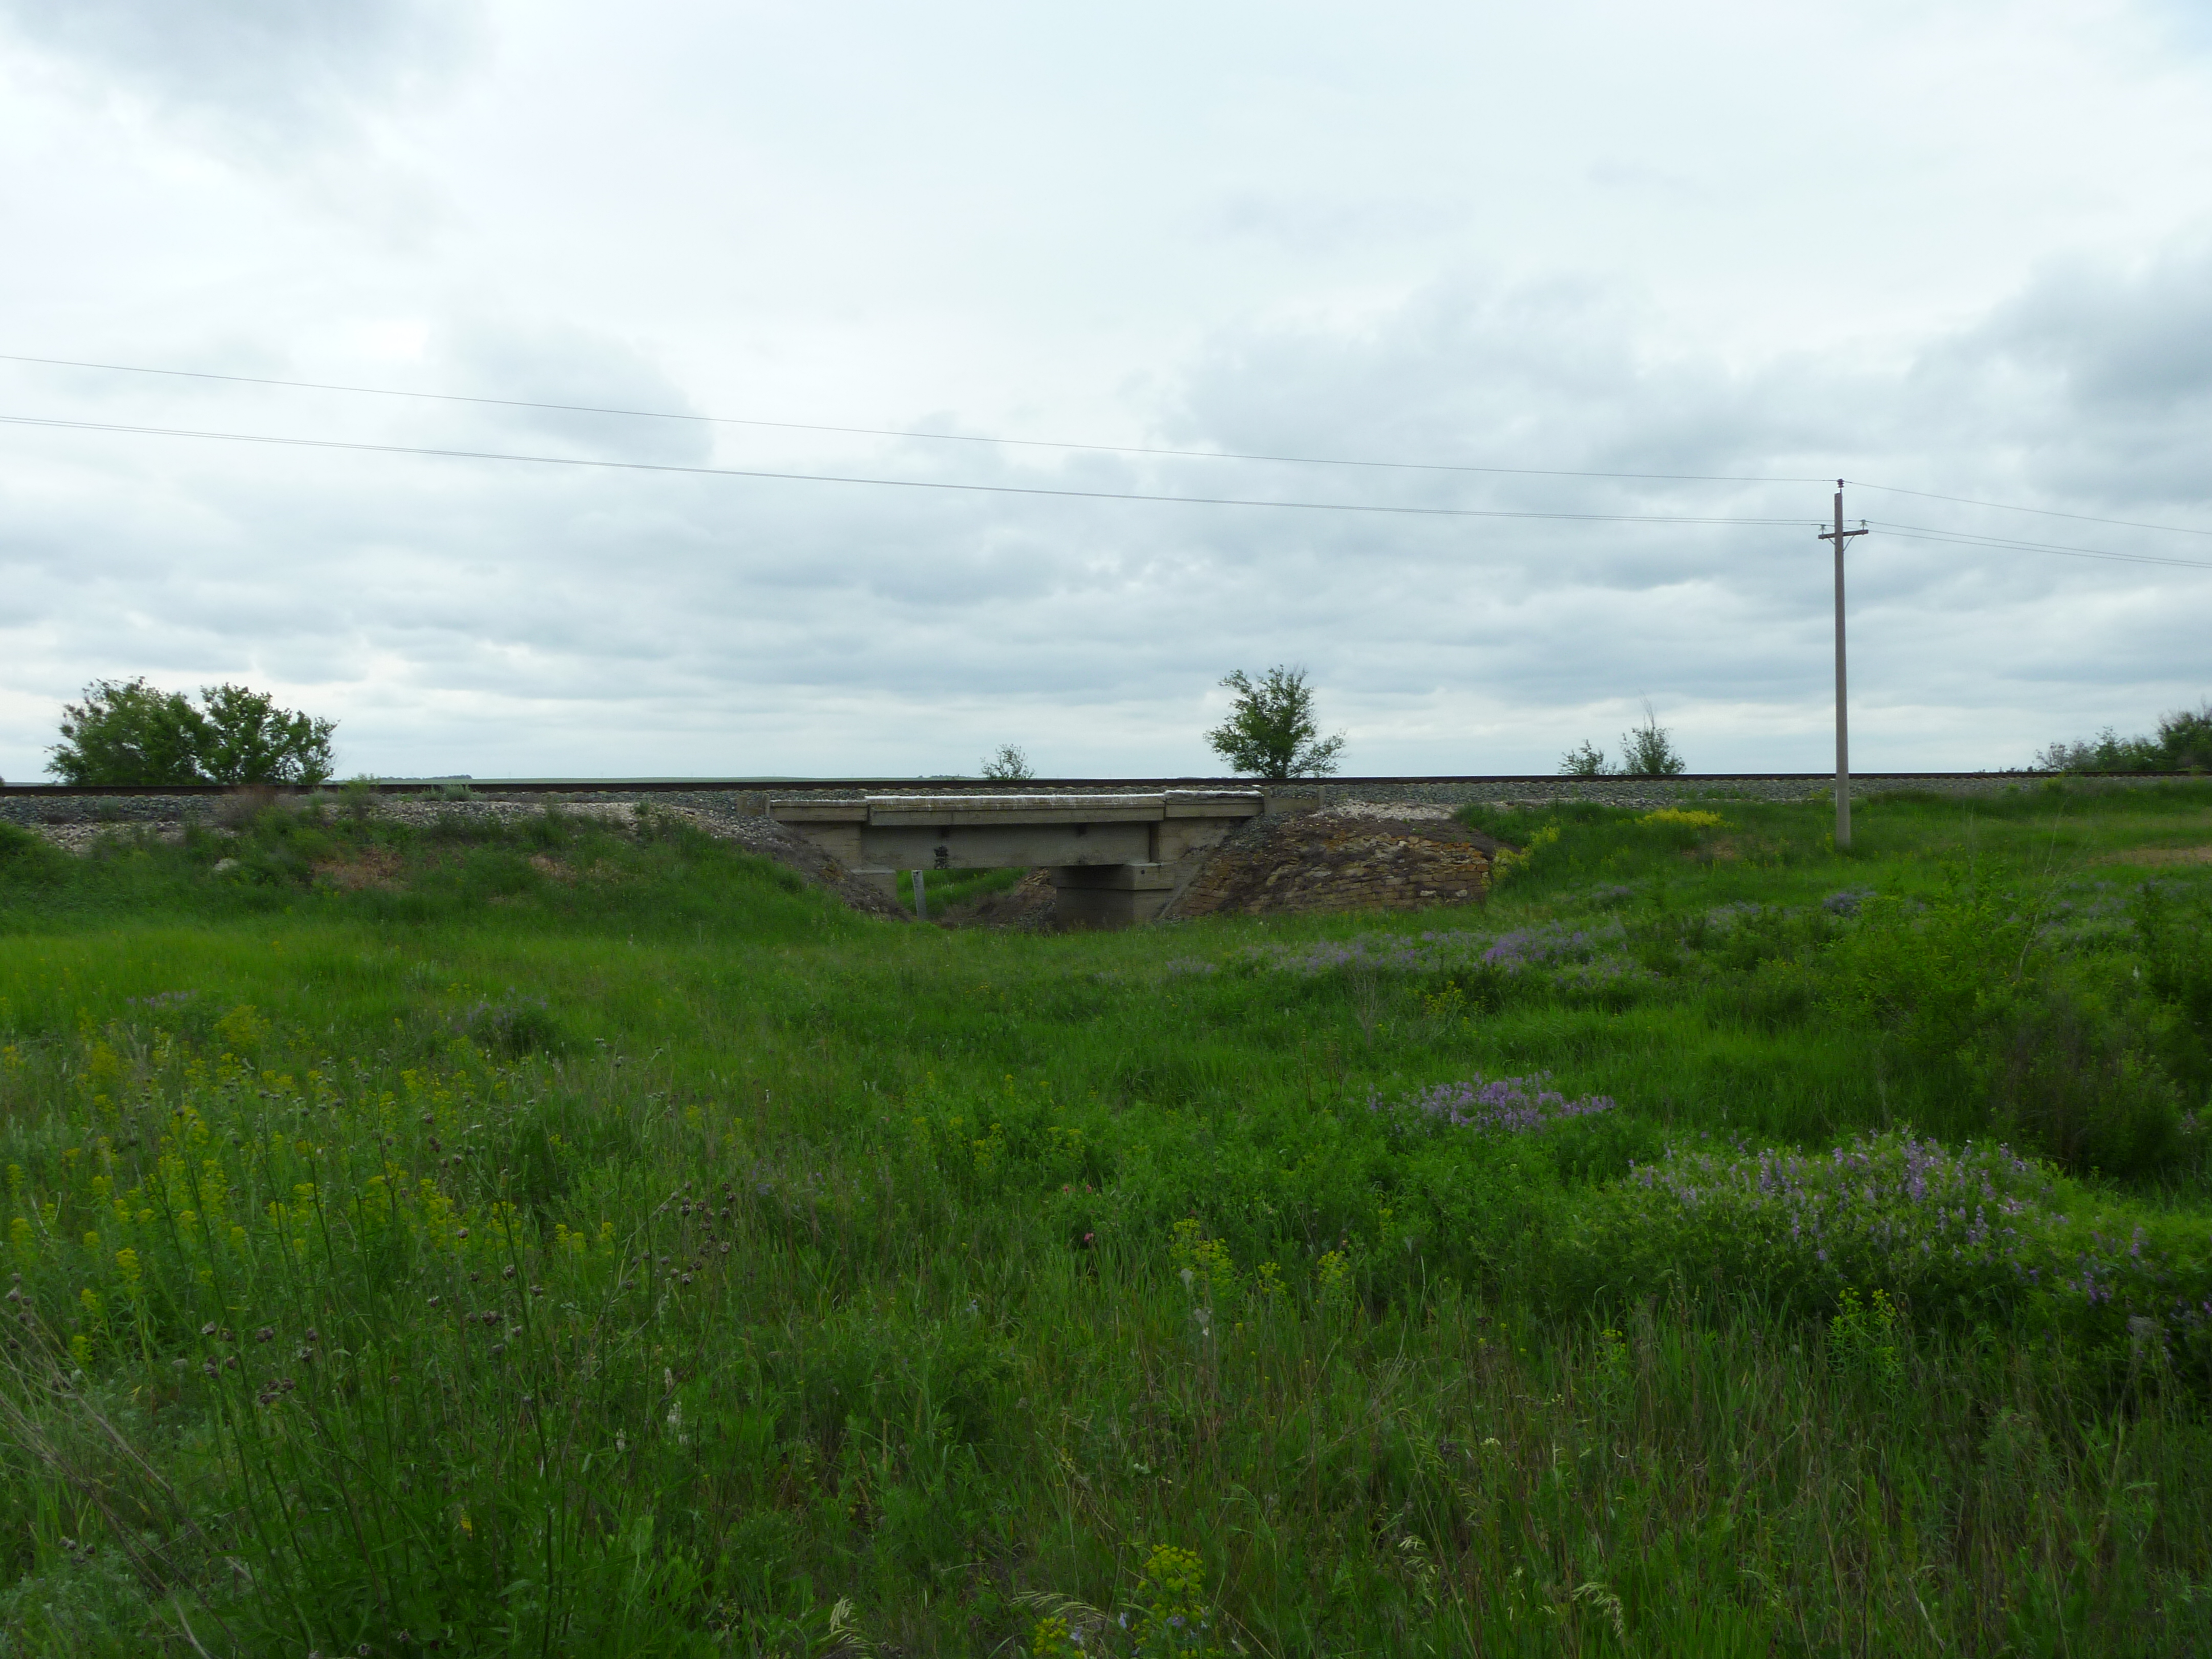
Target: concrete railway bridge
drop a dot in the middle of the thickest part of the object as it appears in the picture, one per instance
(1115, 860)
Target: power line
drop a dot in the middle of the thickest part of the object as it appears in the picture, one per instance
(895, 432)
(2047, 512)
(1917, 533)
(1926, 533)
(1109, 449)
(853, 478)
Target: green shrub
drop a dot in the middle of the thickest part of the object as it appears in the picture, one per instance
(1646, 751)
(1978, 1235)
(2000, 1034)
(511, 1026)
(19, 846)
(1934, 977)
(2175, 934)
(2068, 1081)
(2183, 743)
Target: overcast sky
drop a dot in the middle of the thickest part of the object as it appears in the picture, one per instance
(1956, 248)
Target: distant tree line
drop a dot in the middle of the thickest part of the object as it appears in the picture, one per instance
(2183, 743)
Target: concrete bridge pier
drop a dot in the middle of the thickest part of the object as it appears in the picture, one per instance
(1105, 896)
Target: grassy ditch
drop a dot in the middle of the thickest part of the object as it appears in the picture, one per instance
(538, 1238)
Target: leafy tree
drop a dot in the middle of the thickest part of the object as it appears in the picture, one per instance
(126, 731)
(249, 739)
(1009, 765)
(1271, 732)
(1648, 750)
(2184, 738)
(1587, 761)
(2182, 744)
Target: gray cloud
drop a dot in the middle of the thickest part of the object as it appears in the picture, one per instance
(1309, 223)
(2104, 378)
(561, 363)
(663, 623)
(2133, 342)
(257, 75)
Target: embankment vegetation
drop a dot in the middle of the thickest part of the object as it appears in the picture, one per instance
(541, 1239)
(2183, 743)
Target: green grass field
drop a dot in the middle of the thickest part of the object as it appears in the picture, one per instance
(547, 1240)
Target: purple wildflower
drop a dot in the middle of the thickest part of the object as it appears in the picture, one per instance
(1887, 1210)
(1506, 1105)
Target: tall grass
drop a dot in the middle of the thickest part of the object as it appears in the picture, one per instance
(637, 1255)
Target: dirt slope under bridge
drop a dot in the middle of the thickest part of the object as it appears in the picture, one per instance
(1356, 858)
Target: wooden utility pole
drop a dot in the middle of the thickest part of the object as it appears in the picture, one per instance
(1839, 536)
